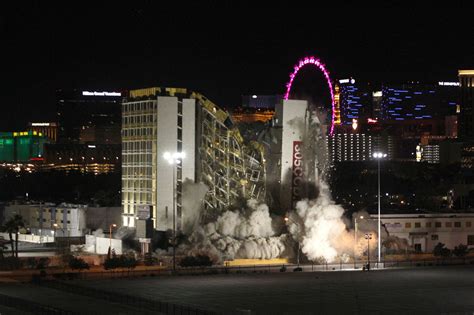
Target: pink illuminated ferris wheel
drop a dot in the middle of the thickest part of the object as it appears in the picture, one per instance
(318, 64)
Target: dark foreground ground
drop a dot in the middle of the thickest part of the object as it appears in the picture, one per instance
(430, 290)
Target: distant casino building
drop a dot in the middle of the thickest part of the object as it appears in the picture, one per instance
(84, 158)
(419, 101)
(344, 147)
(48, 129)
(21, 146)
(88, 116)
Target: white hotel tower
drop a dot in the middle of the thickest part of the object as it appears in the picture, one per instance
(159, 120)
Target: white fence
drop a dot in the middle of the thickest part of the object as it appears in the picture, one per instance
(30, 238)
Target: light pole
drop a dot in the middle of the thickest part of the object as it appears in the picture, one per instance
(298, 253)
(110, 236)
(355, 237)
(368, 237)
(174, 159)
(55, 225)
(378, 156)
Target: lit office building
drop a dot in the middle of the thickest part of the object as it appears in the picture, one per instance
(88, 116)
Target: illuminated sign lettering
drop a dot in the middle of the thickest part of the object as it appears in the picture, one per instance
(448, 83)
(371, 121)
(87, 93)
(297, 171)
(40, 124)
(351, 80)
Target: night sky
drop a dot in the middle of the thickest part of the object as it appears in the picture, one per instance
(218, 48)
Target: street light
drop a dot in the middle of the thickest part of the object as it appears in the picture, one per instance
(355, 237)
(298, 253)
(368, 237)
(378, 156)
(174, 159)
(110, 236)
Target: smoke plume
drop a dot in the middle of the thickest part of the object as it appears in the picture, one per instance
(240, 233)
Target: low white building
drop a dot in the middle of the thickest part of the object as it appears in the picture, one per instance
(67, 220)
(425, 231)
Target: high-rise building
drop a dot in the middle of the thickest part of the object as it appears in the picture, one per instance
(419, 101)
(158, 121)
(356, 101)
(466, 114)
(88, 116)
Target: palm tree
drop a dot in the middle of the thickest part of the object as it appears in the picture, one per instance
(13, 225)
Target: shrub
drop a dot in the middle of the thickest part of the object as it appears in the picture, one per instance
(442, 251)
(460, 251)
(124, 261)
(78, 263)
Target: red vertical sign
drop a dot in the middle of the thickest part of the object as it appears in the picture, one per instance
(297, 171)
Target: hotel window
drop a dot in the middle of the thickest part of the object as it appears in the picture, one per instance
(417, 224)
(470, 240)
(457, 224)
(434, 237)
(428, 224)
(438, 224)
(407, 225)
(468, 224)
(448, 224)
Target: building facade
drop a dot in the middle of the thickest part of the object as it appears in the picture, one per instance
(424, 231)
(66, 220)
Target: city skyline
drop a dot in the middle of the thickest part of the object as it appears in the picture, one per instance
(239, 51)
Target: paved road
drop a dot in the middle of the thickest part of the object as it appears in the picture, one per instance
(66, 301)
(431, 290)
